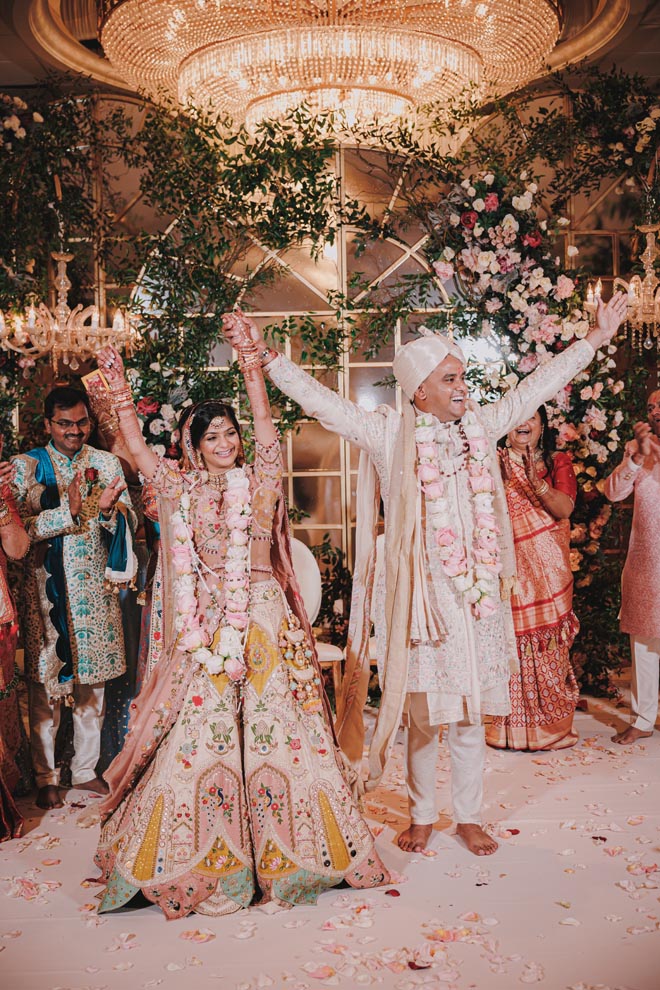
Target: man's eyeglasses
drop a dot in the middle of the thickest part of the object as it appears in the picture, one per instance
(66, 424)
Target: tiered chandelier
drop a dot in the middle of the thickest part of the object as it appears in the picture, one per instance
(253, 60)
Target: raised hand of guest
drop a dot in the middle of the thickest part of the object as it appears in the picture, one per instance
(7, 471)
(529, 464)
(75, 495)
(609, 318)
(646, 443)
(505, 465)
(110, 494)
(110, 362)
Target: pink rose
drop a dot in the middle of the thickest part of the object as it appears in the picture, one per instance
(484, 607)
(434, 490)
(485, 520)
(428, 472)
(191, 640)
(565, 287)
(455, 565)
(479, 445)
(426, 450)
(481, 481)
(444, 537)
(491, 202)
(234, 668)
(295, 744)
(238, 620)
(444, 270)
(527, 363)
(568, 433)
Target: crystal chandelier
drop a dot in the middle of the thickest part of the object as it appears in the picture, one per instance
(65, 334)
(253, 60)
(644, 295)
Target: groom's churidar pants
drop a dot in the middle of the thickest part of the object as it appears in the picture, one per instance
(467, 753)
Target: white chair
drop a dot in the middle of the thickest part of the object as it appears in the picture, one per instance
(308, 574)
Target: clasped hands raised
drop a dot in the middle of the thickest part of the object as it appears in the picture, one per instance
(643, 444)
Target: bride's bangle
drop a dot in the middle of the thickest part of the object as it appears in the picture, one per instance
(542, 490)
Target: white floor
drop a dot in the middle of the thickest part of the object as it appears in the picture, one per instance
(570, 900)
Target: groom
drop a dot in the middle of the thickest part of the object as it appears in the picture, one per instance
(442, 617)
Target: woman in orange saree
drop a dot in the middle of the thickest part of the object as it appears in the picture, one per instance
(540, 490)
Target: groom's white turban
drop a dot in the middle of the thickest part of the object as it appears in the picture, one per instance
(414, 362)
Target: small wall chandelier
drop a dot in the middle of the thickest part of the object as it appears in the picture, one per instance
(644, 296)
(366, 57)
(66, 335)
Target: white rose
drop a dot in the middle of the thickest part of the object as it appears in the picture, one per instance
(215, 664)
(448, 254)
(159, 449)
(478, 205)
(157, 426)
(489, 178)
(202, 655)
(572, 250)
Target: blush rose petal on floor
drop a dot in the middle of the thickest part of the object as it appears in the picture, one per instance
(571, 899)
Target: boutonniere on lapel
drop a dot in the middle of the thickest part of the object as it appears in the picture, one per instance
(91, 477)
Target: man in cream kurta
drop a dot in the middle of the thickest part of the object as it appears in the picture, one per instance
(436, 659)
(639, 472)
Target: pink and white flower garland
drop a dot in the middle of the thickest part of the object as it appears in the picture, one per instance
(479, 580)
(225, 655)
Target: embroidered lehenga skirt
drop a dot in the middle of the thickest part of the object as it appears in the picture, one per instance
(244, 800)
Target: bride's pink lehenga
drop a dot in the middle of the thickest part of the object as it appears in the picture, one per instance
(227, 795)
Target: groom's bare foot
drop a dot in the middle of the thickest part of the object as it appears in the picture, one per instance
(630, 735)
(49, 797)
(96, 784)
(415, 838)
(478, 842)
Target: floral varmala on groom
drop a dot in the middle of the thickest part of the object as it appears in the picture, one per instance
(73, 503)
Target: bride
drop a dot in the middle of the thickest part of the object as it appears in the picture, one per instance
(230, 787)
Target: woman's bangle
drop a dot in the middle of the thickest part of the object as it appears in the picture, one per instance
(542, 490)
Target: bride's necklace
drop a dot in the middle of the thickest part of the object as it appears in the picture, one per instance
(218, 482)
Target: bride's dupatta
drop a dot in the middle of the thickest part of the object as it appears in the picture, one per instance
(156, 708)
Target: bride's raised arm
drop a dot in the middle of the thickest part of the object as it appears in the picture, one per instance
(250, 362)
(110, 363)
